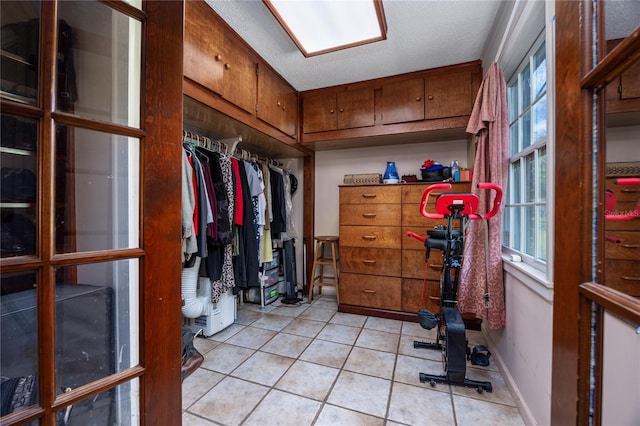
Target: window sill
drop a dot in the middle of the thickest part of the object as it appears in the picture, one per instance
(531, 277)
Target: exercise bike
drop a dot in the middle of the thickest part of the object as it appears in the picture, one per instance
(457, 209)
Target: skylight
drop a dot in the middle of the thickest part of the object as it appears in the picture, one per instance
(322, 26)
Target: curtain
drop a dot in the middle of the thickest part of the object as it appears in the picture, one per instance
(489, 123)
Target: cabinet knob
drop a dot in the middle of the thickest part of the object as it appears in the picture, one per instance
(430, 97)
(331, 111)
(341, 109)
(227, 66)
(278, 104)
(418, 99)
(218, 58)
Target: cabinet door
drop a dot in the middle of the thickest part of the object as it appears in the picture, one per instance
(623, 93)
(240, 79)
(203, 47)
(319, 112)
(448, 95)
(630, 82)
(277, 101)
(403, 101)
(355, 108)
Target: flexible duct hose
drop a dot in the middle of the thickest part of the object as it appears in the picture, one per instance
(192, 307)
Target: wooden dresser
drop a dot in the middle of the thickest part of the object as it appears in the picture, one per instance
(381, 269)
(622, 246)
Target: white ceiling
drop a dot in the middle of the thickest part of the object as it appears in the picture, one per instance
(422, 34)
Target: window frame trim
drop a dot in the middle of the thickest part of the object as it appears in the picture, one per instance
(546, 36)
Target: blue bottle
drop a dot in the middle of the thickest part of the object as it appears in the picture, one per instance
(391, 173)
(455, 171)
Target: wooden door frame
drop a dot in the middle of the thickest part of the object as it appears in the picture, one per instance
(572, 241)
(160, 313)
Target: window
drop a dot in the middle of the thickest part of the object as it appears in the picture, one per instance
(318, 27)
(526, 209)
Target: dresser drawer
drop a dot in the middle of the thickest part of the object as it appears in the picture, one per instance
(370, 214)
(370, 236)
(413, 264)
(370, 261)
(412, 295)
(370, 194)
(371, 291)
(628, 248)
(411, 217)
(623, 275)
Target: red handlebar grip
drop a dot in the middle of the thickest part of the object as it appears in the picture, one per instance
(425, 198)
(497, 201)
(412, 234)
(627, 181)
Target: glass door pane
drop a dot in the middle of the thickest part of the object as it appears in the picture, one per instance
(20, 41)
(18, 185)
(97, 190)
(99, 63)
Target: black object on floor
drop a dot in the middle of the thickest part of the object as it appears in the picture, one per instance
(289, 263)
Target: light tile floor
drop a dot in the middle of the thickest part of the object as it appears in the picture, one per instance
(312, 365)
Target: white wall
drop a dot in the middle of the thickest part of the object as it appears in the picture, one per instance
(524, 345)
(331, 166)
(621, 373)
(622, 144)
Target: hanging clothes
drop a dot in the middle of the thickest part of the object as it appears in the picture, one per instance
(245, 264)
(489, 122)
(188, 237)
(278, 224)
(227, 279)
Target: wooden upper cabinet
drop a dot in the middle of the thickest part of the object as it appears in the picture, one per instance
(203, 48)
(319, 112)
(403, 101)
(448, 95)
(356, 107)
(277, 101)
(623, 93)
(240, 74)
(332, 109)
(217, 59)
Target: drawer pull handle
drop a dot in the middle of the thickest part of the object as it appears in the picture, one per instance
(631, 245)
(369, 195)
(436, 267)
(369, 215)
(368, 291)
(369, 237)
(630, 191)
(630, 278)
(369, 261)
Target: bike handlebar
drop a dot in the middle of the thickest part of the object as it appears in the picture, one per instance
(497, 201)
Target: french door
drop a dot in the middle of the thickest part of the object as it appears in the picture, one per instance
(596, 282)
(77, 133)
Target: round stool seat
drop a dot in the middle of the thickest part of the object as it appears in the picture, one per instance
(327, 238)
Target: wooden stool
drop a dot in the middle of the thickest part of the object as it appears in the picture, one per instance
(318, 278)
